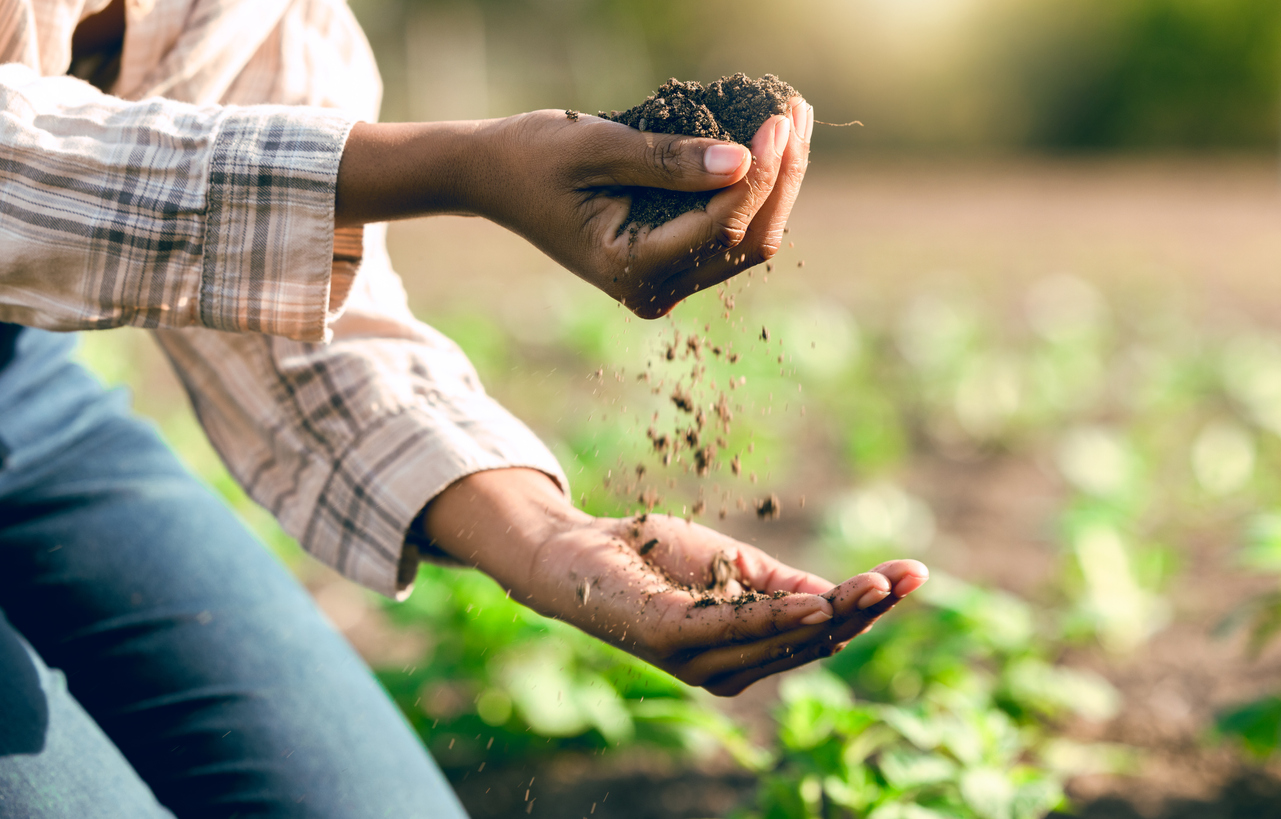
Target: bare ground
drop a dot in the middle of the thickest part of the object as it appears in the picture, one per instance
(1205, 234)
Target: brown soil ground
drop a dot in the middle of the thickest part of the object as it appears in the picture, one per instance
(1204, 233)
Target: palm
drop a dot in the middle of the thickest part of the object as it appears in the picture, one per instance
(710, 610)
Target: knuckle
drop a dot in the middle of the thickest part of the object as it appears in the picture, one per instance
(759, 188)
(731, 233)
(648, 310)
(696, 679)
(752, 257)
(725, 689)
(665, 156)
(819, 651)
(781, 652)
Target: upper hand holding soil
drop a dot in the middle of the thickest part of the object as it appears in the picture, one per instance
(566, 185)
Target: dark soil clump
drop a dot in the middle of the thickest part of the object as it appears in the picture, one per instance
(732, 109)
(769, 508)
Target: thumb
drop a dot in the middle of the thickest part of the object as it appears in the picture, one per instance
(644, 159)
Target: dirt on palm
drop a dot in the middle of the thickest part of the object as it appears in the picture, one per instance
(731, 108)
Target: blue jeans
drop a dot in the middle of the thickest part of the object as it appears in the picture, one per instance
(155, 659)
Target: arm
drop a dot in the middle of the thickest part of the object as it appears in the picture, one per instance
(346, 442)
(156, 213)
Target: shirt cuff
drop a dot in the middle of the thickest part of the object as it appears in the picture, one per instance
(269, 225)
(363, 519)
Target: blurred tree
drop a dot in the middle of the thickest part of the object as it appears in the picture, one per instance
(922, 74)
(1149, 73)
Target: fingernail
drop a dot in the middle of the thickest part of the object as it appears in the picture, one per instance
(809, 122)
(722, 159)
(815, 618)
(798, 117)
(872, 597)
(781, 132)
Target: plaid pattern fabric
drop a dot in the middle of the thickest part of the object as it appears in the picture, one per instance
(197, 200)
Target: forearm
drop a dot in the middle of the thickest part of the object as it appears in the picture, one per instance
(401, 170)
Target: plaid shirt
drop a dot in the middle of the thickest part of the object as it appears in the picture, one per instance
(198, 200)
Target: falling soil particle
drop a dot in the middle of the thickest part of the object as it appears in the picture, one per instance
(732, 108)
(703, 460)
(682, 400)
(648, 498)
(769, 508)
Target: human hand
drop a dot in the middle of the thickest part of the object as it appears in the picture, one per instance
(562, 183)
(673, 593)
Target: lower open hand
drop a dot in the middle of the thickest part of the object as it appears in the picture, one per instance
(711, 611)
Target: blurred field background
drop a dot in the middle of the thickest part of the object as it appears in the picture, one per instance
(1035, 339)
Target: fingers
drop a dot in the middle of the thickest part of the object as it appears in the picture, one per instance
(732, 210)
(858, 603)
(725, 221)
(761, 632)
(902, 577)
(766, 229)
(688, 550)
(733, 683)
(742, 226)
(766, 574)
(618, 155)
(764, 234)
(786, 643)
(724, 624)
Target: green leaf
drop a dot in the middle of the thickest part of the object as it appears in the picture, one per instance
(989, 792)
(906, 769)
(1037, 797)
(1049, 691)
(1262, 551)
(601, 706)
(915, 725)
(1257, 725)
(907, 810)
(814, 703)
(543, 694)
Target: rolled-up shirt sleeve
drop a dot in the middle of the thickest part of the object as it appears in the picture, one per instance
(162, 214)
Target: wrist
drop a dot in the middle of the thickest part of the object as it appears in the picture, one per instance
(497, 520)
(401, 170)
